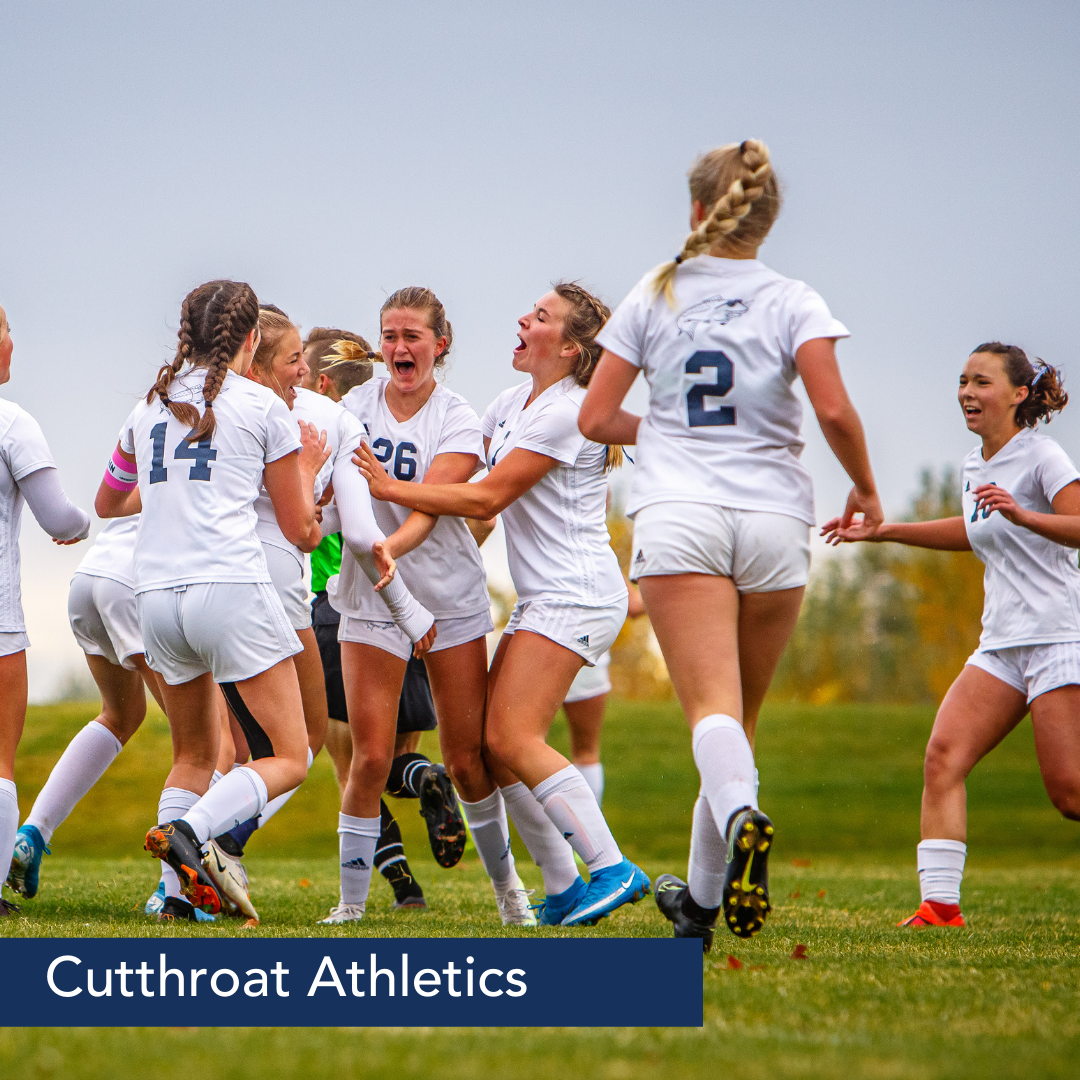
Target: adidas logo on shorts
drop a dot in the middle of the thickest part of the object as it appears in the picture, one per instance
(639, 557)
(583, 640)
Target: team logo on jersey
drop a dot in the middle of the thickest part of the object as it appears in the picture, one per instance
(714, 310)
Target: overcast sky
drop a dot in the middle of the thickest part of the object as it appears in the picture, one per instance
(331, 153)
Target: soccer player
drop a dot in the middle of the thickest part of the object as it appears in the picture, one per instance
(27, 475)
(721, 505)
(549, 483)
(1021, 501)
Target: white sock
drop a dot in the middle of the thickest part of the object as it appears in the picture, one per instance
(708, 857)
(9, 822)
(491, 835)
(548, 849)
(941, 869)
(594, 777)
(274, 805)
(174, 803)
(726, 765)
(571, 805)
(357, 837)
(80, 767)
(233, 799)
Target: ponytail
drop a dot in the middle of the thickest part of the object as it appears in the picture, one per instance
(1046, 393)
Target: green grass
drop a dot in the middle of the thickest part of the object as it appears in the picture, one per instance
(1001, 998)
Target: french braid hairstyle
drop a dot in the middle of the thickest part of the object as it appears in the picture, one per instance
(214, 320)
(344, 357)
(584, 321)
(1046, 394)
(738, 190)
(417, 298)
(274, 324)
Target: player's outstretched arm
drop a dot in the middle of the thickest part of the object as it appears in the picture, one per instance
(118, 493)
(445, 469)
(602, 417)
(51, 507)
(1062, 526)
(944, 534)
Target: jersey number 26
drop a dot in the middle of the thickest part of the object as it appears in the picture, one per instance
(697, 415)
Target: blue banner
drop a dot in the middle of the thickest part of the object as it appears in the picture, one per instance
(355, 982)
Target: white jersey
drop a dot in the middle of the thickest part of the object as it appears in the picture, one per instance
(198, 518)
(724, 425)
(343, 435)
(445, 573)
(557, 541)
(113, 553)
(1031, 585)
(23, 450)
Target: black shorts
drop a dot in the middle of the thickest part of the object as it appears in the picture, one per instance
(416, 710)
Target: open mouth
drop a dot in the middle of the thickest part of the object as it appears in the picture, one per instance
(520, 347)
(404, 367)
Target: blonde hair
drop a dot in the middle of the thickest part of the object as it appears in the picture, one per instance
(274, 324)
(347, 364)
(742, 216)
(417, 298)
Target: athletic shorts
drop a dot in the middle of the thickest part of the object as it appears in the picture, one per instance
(1032, 669)
(590, 682)
(13, 641)
(104, 619)
(759, 551)
(587, 631)
(386, 635)
(416, 710)
(288, 577)
(233, 630)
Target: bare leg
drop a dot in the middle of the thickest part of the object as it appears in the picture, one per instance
(151, 678)
(766, 621)
(123, 699)
(339, 747)
(1057, 743)
(586, 719)
(227, 748)
(309, 672)
(12, 709)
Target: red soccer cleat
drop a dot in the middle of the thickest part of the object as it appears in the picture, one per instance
(931, 913)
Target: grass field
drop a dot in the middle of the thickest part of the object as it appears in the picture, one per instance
(1001, 998)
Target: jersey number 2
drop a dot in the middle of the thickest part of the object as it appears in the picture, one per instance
(696, 413)
(200, 453)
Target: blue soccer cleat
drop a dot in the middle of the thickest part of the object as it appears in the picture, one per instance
(555, 907)
(157, 903)
(26, 861)
(608, 889)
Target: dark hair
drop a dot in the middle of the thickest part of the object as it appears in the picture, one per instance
(273, 309)
(417, 298)
(214, 320)
(1046, 394)
(343, 357)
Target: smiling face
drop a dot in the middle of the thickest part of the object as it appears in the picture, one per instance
(410, 348)
(6, 347)
(541, 344)
(987, 396)
(287, 369)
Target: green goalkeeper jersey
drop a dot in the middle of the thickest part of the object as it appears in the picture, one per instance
(325, 562)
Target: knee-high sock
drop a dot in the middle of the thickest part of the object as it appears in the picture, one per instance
(275, 804)
(708, 857)
(80, 767)
(405, 773)
(546, 845)
(233, 799)
(941, 869)
(491, 835)
(594, 777)
(9, 823)
(174, 803)
(357, 838)
(726, 765)
(573, 809)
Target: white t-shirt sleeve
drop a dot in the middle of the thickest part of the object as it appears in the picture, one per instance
(461, 432)
(624, 333)
(490, 419)
(282, 431)
(809, 318)
(127, 435)
(1055, 469)
(24, 447)
(554, 432)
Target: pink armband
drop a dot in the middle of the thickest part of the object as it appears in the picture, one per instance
(121, 474)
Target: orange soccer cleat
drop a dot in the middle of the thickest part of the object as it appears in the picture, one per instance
(931, 913)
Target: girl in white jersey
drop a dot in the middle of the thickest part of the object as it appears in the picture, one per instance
(548, 483)
(721, 504)
(1021, 500)
(27, 475)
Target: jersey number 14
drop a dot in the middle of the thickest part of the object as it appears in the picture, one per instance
(697, 415)
(200, 453)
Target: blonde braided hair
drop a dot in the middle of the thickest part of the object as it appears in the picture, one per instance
(732, 217)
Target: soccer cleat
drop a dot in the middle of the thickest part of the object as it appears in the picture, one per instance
(671, 894)
(230, 878)
(513, 901)
(156, 904)
(930, 914)
(175, 843)
(414, 901)
(174, 909)
(439, 808)
(7, 908)
(746, 884)
(344, 913)
(26, 861)
(556, 906)
(608, 889)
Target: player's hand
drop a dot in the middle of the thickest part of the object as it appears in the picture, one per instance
(425, 643)
(384, 563)
(68, 543)
(378, 482)
(849, 529)
(313, 448)
(990, 497)
(327, 494)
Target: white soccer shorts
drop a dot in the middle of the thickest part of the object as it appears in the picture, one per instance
(386, 635)
(1032, 669)
(287, 574)
(759, 551)
(104, 619)
(587, 631)
(590, 682)
(233, 630)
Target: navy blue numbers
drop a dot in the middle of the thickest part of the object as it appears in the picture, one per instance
(404, 465)
(383, 449)
(201, 454)
(158, 472)
(697, 415)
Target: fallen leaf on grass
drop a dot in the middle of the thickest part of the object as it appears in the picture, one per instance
(757, 967)
(821, 895)
(800, 953)
(800, 862)
(733, 963)
(794, 895)
(304, 883)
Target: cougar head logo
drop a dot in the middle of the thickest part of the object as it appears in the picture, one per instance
(714, 310)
